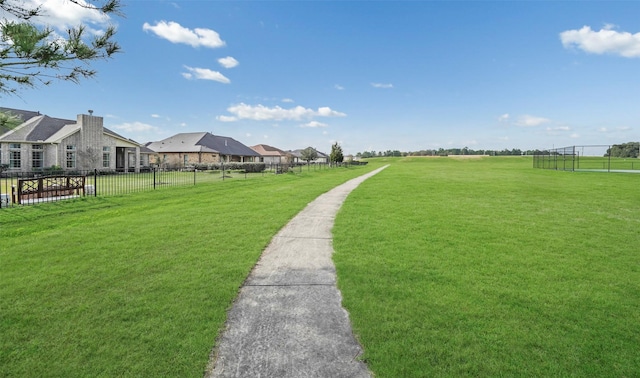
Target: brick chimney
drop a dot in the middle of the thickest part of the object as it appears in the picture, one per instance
(91, 134)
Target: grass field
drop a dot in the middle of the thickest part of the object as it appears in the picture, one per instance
(136, 285)
(116, 184)
(448, 267)
(487, 267)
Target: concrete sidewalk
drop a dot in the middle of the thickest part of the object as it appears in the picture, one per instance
(288, 320)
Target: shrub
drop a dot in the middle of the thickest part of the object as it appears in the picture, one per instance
(53, 170)
(237, 166)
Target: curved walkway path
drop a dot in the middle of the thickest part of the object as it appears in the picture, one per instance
(288, 320)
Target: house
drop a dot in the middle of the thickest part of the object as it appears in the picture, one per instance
(39, 142)
(186, 149)
(271, 155)
(297, 156)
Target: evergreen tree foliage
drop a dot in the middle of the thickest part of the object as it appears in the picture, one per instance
(31, 52)
(336, 155)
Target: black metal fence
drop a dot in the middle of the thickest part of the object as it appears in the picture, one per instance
(596, 158)
(22, 188)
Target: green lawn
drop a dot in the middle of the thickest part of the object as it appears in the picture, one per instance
(487, 267)
(136, 285)
(478, 267)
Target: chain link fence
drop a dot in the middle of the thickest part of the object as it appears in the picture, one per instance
(595, 158)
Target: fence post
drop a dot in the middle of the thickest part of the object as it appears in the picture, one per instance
(194, 175)
(95, 182)
(154, 178)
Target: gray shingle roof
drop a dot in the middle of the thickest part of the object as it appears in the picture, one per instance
(202, 142)
(266, 150)
(22, 114)
(298, 153)
(35, 127)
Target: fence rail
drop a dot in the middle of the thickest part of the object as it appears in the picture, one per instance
(108, 183)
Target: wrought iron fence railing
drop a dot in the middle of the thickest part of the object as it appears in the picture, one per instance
(22, 188)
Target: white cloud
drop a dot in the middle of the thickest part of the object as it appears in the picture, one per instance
(327, 112)
(574, 136)
(531, 121)
(155, 116)
(504, 117)
(183, 124)
(314, 124)
(263, 113)
(248, 135)
(616, 129)
(134, 127)
(604, 41)
(339, 87)
(204, 74)
(176, 33)
(228, 62)
(287, 100)
(223, 118)
(62, 15)
(381, 85)
(559, 128)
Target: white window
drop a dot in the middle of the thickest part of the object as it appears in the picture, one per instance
(106, 157)
(37, 156)
(14, 155)
(71, 157)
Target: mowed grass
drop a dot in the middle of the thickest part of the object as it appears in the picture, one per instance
(136, 285)
(487, 267)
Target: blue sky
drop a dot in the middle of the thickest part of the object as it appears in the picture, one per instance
(376, 75)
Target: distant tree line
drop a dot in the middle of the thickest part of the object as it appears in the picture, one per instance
(447, 152)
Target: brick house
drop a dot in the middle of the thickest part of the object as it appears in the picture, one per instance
(187, 149)
(297, 156)
(40, 142)
(272, 155)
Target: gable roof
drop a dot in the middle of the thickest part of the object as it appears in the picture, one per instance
(298, 153)
(266, 150)
(38, 127)
(201, 142)
(22, 114)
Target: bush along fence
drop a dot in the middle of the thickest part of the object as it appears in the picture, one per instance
(25, 188)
